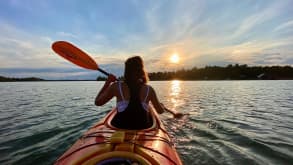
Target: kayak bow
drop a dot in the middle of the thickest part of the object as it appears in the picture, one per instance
(103, 144)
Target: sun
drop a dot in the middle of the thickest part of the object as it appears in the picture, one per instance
(174, 58)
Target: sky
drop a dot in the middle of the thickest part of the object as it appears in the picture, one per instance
(200, 32)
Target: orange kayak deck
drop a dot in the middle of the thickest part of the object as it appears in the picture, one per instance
(103, 144)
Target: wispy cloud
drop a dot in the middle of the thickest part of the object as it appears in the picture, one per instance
(260, 16)
(65, 34)
(285, 26)
(23, 49)
(175, 23)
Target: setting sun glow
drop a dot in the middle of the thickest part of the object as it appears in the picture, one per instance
(174, 58)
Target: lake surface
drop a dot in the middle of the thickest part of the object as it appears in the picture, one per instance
(229, 122)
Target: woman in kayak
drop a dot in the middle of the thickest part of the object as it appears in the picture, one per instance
(133, 97)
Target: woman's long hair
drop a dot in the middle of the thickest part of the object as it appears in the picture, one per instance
(134, 73)
(134, 117)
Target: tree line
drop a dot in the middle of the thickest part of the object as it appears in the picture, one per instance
(8, 79)
(229, 72)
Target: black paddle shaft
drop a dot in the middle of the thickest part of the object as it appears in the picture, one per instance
(104, 72)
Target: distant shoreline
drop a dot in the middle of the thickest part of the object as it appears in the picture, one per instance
(8, 79)
(208, 73)
(43, 80)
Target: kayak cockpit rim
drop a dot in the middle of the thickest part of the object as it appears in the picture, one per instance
(155, 125)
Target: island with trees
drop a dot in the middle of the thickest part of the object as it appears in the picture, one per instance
(9, 79)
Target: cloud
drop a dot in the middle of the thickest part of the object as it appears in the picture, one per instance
(66, 34)
(60, 73)
(20, 48)
(273, 59)
(285, 26)
(252, 52)
(259, 17)
(45, 73)
(172, 21)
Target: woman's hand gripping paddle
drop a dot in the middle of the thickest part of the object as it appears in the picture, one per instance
(76, 56)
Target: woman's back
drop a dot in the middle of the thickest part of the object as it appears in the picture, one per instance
(132, 105)
(125, 92)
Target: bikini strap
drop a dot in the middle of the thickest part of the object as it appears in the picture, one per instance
(120, 90)
(147, 93)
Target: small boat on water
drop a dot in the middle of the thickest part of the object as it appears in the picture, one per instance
(104, 144)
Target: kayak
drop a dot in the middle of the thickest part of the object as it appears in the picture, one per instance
(103, 144)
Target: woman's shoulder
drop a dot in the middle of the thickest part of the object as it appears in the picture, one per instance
(145, 85)
(150, 88)
(114, 85)
(114, 88)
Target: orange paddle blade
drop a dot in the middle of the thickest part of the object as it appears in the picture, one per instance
(74, 55)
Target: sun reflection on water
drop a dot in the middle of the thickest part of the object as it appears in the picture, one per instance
(175, 87)
(175, 94)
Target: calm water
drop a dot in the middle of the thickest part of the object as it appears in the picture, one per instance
(229, 122)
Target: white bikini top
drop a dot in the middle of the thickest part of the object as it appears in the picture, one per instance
(122, 105)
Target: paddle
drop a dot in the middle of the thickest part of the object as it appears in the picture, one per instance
(76, 56)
